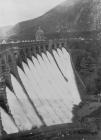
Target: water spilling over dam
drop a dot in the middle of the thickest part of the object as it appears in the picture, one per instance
(38, 86)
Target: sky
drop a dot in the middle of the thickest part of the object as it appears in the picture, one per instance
(13, 11)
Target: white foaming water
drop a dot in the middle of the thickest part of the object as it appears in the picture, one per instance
(44, 108)
(72, 81)
(46, 89)
(31, 91)
(38, 100)
(57, 88)
(26, 105)
(53, 92)
(52, 95)
(67, 98)
(61, 82)
(17, 111)
(50, 90)
(7, 123)
(66, 67)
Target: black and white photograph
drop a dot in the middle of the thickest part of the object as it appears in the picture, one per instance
(50, 69)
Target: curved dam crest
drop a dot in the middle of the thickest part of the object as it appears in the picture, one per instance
(39, 87)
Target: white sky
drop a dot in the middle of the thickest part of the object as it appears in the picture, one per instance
(13, 11)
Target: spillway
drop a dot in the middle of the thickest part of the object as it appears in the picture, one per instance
(7, 122)
(42, 95)
(17, 111)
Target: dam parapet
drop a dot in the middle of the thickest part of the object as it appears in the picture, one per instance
(12, 54)
(20, 51)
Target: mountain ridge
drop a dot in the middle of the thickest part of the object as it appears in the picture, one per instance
(77, 16)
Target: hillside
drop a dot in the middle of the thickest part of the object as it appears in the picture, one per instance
(79, 16)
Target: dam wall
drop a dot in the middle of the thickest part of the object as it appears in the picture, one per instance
(37, 85)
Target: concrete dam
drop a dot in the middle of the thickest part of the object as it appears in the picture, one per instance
(37, 85)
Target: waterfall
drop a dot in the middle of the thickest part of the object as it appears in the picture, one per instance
(44, 82)
(28, 108)
(51, 94)
(57, 85)
(7, 123)
(72, 82)
(17, 111)
(42, 92)
(64, 62)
